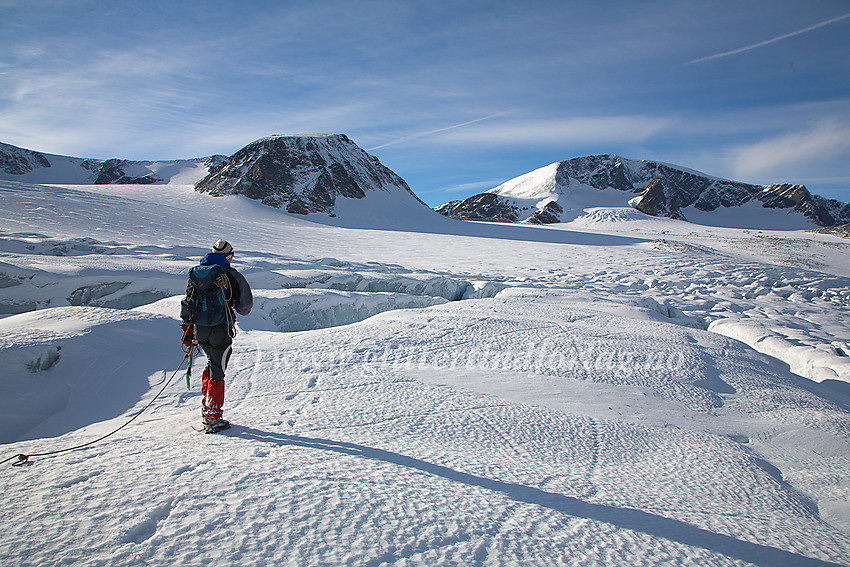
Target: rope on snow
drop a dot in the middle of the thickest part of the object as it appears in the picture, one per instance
(23, 458)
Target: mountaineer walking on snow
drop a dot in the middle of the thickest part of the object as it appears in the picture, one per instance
(215, 289)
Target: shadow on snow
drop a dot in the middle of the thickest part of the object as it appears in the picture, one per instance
(626, 518)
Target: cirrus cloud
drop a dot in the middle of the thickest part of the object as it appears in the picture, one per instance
(793, 151)
(573, 130)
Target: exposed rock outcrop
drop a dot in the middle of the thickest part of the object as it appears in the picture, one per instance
(18, 161)
(112, 172)
(550, 213)
(842, 230)
(486, 207)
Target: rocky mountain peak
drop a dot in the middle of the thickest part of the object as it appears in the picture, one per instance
(301, 174)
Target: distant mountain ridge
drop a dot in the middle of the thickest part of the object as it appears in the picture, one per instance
(320, 174)
(19, 164)
(549, 194)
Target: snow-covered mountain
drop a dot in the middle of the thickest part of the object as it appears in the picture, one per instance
(564, 191)
(28, 166)
(306, 174)
(448, 394)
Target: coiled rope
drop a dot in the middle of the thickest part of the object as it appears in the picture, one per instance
(223, 282)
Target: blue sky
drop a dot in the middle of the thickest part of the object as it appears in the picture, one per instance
(454, 96)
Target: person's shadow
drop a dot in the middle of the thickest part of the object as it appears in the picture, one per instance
(627, 518)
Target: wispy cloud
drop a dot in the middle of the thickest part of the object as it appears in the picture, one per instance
(793, 152)
(112, 95)
(473, 187)
(437, 131)
(769, 41)
(583, 130)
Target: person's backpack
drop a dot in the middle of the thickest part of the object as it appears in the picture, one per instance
(209, 291)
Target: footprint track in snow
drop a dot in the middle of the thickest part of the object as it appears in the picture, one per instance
(146, 529)
(78, 479)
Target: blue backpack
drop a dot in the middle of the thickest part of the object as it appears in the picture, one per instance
(209, 289)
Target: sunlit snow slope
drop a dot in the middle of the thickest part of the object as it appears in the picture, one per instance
(447, 394)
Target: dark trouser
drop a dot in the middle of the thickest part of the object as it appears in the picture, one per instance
(216, 342)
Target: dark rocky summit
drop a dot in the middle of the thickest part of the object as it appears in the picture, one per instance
(301, 174)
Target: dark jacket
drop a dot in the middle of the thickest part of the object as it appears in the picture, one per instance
(242, 300)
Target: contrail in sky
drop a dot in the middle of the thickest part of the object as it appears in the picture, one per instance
(437, 131)
(769, 41)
